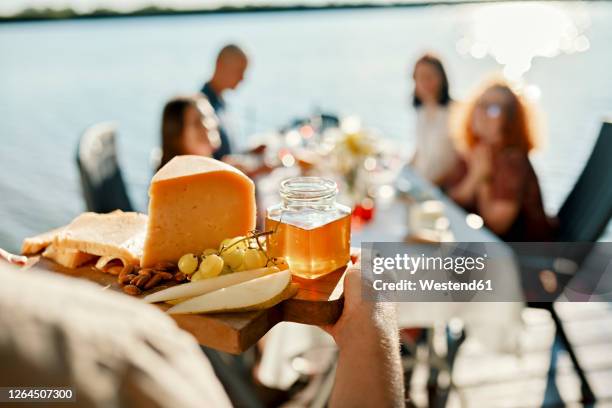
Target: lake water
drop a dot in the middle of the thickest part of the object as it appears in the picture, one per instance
(57, 78)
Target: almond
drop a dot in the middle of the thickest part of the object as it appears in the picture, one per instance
(154, 281)
(131, 290)
(145, 271)
(165, 266)
(124, 279)
(164, 275)
(143, 280)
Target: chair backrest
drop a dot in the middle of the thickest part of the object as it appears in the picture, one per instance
(103, 187)
(587, 209)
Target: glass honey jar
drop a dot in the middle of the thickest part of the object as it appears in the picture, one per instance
(310, 230)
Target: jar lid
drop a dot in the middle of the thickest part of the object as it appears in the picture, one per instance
(307, 189)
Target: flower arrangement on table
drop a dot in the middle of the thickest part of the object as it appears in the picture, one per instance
(357, 158)
(353, 156)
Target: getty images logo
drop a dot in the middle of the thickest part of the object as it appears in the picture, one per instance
(412, 264)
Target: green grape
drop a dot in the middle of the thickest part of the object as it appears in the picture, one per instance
(233, 257)
(242, 244)
(188, 264)
(210, 251)
(254, 258)
(227, 245)
(196, 277)
(211, 266)
(250, 243)
(224, 244)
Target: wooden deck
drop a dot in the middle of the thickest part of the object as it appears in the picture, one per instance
(542, 375)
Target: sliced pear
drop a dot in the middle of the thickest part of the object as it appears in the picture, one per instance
(191, 289)
(176, 301)
(251, 295)
(288, 293)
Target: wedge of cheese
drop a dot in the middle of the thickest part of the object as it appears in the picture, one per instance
(195, 203)
(118, 235)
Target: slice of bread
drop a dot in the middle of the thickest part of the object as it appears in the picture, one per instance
(118, 235)
(38, 243)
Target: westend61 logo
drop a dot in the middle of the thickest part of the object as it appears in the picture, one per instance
(412, 264)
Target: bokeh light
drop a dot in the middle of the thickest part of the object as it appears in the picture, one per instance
(515, 33)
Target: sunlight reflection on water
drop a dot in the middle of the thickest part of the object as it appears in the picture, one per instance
(515, 33)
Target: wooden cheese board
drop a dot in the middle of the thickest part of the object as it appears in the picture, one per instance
(317, 302)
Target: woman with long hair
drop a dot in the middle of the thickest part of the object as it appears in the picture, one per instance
(495, 179)
(189, 126)
(435, 153)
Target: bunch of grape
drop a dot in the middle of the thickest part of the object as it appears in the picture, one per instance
(234, 255)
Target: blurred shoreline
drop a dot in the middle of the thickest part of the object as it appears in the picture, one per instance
(52, 14)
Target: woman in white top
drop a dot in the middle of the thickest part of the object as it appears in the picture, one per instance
(435, 155)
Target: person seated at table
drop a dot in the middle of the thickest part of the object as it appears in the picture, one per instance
(230, 66)
(189, 126)
(495, 178)
(114, 350)
(435, 153)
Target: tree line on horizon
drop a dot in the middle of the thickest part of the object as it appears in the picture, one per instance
(35, 14)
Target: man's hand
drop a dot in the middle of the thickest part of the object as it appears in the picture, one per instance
(358, 314)
(369, 371)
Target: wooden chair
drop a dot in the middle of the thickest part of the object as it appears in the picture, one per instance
(101, 180)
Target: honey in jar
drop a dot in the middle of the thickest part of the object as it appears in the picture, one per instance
(310, 230)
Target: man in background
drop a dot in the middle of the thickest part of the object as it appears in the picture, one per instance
(229, 71)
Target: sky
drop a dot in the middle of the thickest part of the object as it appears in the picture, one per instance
(8, 7)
